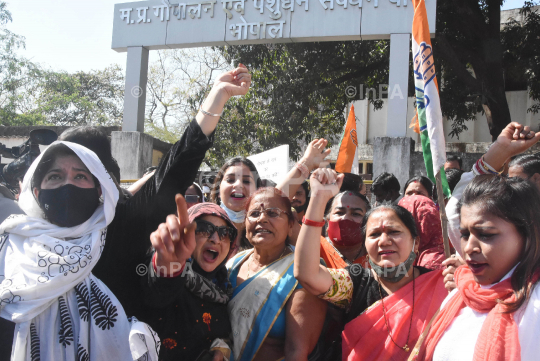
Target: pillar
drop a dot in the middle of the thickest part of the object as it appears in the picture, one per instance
(133, 152)
(393, 155)
(135, 91)
(398, 84)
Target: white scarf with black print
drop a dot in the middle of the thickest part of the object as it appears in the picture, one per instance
(62, 311)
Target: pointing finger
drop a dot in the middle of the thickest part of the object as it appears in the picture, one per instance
(174, 227)
(166, 238)
(181, 210)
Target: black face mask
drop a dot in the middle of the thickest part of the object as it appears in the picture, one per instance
(68, 205)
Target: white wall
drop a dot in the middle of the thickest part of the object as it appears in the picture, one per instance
(371, 123)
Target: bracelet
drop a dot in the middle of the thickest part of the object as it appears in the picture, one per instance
(309, 222)
(304, 170)
(208, 113)
(481, 167)
(489, 168)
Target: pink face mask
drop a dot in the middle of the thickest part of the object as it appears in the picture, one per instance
(345, 233)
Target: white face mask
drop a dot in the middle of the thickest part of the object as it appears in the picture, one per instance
(236, 217)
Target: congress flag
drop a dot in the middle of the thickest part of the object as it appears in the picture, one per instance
(347, 160)
(428, 105)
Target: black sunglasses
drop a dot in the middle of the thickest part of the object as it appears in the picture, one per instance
(192, 198)
(208, 229)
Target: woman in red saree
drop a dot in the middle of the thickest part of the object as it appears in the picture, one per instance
(389, 305)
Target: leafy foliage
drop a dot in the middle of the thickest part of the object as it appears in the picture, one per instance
(93, 98)
(521, 44)
(477, 60)
(32, 95)
(300, 88)
(298, 92)
(16, 76)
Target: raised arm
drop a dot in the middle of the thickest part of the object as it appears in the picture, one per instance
(313, 158)
(316, 279)
(227, 85)
(513, 140)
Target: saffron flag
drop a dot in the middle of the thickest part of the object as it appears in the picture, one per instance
(347, 160)
(428, 106)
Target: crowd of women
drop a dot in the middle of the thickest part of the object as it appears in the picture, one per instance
(305, 270)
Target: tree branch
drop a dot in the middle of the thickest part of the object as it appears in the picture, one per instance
(455, 64)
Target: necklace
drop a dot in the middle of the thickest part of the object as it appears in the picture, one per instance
(349, 263)
(406, 347)
(251, 260)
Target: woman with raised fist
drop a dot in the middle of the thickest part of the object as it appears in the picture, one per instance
(388, 305)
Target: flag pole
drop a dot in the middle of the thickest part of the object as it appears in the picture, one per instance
(442, 214)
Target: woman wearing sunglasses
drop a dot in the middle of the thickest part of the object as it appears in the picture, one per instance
(187, 288)
(271, 315)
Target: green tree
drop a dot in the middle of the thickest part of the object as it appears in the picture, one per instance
(521, 44)
(32, 95)
(469, 47)
(299, 89)
(17, 77)
(81, 98)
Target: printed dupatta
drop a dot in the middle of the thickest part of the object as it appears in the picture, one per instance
(257, 303)
(367, 336)
(62, 311)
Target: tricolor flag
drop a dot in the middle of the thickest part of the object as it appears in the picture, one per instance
(428, 106)
(347, 160)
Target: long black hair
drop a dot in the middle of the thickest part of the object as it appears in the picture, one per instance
(516, 201)
(214, 194)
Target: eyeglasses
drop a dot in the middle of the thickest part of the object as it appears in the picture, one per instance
(208, 229)
(270, 213)
(192, 198)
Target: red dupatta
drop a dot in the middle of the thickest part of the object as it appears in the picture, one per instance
(367, 338)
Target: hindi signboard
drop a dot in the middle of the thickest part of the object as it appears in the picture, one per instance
(272, 164)
(174, 24)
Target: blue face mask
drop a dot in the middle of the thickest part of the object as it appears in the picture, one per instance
(68, 205)
(236, 217)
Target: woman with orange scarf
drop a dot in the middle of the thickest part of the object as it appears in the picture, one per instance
(389, 305)
(493, 224)
(494, 312)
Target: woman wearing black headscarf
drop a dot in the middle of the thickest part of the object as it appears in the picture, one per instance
(187, 298)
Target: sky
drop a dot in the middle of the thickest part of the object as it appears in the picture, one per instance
(75, 35)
